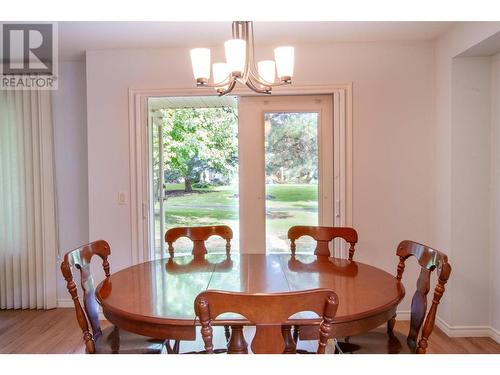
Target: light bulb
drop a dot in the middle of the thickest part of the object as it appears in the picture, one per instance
(235, 55)
(200, 60)
(284, 62)
(267, 70)
(221, 73)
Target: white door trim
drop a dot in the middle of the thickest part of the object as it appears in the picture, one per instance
(138, 157)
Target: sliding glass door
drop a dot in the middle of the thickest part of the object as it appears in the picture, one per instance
(257, 164)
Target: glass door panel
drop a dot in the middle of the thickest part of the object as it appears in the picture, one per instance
(286, 169)
(194, 169)
(291, 177)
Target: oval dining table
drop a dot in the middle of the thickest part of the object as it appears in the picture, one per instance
(156, 298)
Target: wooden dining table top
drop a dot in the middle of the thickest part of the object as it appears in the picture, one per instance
(160, 294)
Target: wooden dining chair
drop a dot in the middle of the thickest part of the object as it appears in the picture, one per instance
(268, 313)
(110, 340)
(322, 236)
(198, 235)
(392, 342)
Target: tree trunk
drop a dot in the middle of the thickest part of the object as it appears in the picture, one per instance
(187, 185)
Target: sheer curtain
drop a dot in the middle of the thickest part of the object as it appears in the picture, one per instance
(27, 207)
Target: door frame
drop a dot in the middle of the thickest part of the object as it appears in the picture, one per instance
(139, 154)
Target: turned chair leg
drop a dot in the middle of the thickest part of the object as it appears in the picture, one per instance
(174, 349)
(296, 330)
(390, 325)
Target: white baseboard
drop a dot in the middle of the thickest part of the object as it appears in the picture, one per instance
(458, 331)
(495, 334)
(464, 331)
(64, 303)
(403, 315)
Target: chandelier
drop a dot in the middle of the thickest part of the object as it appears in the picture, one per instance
(240, 64)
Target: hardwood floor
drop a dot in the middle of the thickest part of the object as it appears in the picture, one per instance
(56, 331)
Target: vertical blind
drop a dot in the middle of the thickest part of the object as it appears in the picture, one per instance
(27, 206)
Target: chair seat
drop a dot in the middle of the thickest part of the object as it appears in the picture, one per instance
(117, 341)
(377, 342)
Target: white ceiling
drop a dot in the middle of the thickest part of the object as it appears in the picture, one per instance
(76, 37)
(488, 47)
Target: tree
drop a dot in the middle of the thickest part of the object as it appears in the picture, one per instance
(292, 147)
(199, 139)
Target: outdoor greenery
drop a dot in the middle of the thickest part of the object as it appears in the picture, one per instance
(297, 204)
(198, 140)
(200, 149)
(291, 147)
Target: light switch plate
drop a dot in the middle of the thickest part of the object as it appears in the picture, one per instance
(122, 197)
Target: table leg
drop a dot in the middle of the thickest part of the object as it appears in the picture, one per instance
(237, 343)
(290, 344)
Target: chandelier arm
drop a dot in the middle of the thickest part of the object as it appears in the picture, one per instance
(227, 81)
(260, 81)
(251, 85)
(255, 71)
(228, 90)
(268, 84)
(248, 56)
(235, 30)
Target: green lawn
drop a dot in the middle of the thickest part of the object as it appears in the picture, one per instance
(293, 193)
(286, 205)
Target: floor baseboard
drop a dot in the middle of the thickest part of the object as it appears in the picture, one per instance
(463, 331)
(403, 315)
(458, 331)
(64, 303)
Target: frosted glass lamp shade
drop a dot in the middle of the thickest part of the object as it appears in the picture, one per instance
(284, 62)
(200, 60)
(235, 55)
(221, 73)
(267, 70)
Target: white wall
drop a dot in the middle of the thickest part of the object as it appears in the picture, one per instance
(70, 139)
(470, 190)
(495, 196)
(447, 46)
(393, 136)
(458, 198)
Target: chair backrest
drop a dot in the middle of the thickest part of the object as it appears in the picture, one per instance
(267, 312)
(198, 235)
(322, 236)
(429, 260)
(81, 258)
